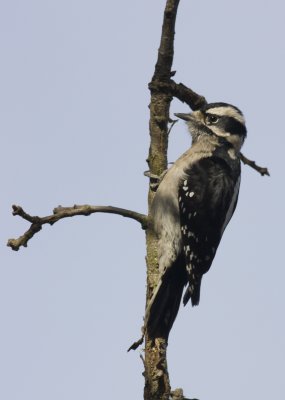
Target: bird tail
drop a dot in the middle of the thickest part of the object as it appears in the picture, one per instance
(165, 304)
(193, 292)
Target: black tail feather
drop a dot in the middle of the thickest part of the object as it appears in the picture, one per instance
(193, 293)
(167, 301)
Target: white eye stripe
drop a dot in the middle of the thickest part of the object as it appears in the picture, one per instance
(227, 111)
(219, 132)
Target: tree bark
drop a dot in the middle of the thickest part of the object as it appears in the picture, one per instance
(157, 385)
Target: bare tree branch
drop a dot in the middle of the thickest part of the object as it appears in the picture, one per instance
(180, 91)
(262, 170)
(66, 212)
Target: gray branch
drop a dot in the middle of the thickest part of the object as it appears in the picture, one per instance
(262, 170)
(66, 212)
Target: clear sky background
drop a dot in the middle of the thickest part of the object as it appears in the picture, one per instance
(74, 129)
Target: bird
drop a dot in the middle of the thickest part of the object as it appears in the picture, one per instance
(192, 206)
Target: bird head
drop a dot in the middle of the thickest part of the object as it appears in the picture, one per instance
(222, 121)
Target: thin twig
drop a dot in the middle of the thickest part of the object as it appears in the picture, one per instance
(66, 212)
(172, 123)
(262, 170)
(143, 360)
(136, 344)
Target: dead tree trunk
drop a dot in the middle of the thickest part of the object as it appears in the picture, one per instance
(157, 385)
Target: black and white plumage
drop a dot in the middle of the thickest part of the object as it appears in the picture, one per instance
(191, 209)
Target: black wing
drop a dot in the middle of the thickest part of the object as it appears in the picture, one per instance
(207, 200)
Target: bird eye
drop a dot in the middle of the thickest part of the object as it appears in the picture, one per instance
(211, 119)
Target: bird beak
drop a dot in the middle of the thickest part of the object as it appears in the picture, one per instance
(186, 117)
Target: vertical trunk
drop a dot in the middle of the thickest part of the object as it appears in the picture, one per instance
(157, 385)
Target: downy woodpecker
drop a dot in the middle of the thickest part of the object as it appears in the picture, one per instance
(191, 209)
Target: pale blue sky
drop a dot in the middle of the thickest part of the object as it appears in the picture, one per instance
(74, 127)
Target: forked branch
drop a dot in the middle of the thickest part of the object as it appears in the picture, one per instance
(66, 212)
